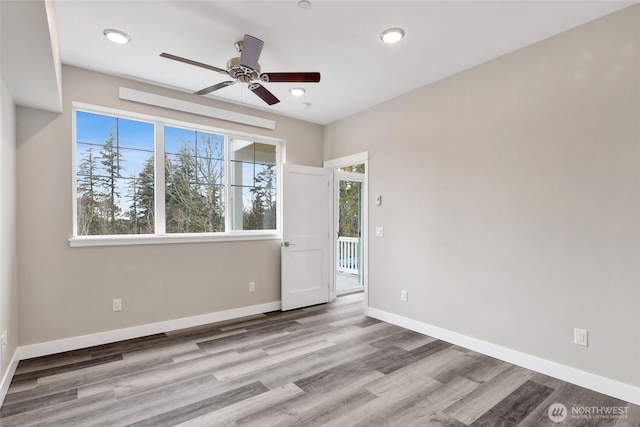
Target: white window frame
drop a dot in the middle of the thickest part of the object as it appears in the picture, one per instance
(160, 236)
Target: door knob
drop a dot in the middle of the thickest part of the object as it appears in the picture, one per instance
(287, 244)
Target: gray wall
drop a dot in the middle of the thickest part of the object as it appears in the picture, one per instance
(511, 198)
(67, 292)
(8, 249)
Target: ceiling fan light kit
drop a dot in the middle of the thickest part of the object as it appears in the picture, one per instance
(245, 69)
(297, 91)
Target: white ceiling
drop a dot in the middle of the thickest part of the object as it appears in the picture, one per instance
(340, 39)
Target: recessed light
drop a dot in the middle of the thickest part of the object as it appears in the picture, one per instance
(392, 35)
(297, 91)
(304, 4)
(304, 105)
(117, 36)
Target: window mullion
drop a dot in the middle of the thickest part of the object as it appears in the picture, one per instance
(227, 184)
(160, 217)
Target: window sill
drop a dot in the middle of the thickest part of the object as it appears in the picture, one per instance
(123, 240)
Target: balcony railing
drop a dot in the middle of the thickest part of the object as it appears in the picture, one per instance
(349, 255)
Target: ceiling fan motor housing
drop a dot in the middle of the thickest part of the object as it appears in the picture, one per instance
(240, 72)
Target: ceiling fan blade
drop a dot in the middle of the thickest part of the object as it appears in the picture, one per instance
(214, 87)
(251, 49)
(290, 77)
(191, 62)
(263, 93)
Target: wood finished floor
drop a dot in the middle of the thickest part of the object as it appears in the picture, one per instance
(326, 365)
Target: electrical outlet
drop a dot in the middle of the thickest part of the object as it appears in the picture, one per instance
(4, 341)
(404, 295)
(117, 304)
(581, 337)
(252, 286)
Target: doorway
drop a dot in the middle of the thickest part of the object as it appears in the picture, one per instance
(349, 249)
(352, 168)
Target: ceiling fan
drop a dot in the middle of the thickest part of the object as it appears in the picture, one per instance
(245, 69)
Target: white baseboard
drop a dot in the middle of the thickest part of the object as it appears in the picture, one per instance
(84, 341)
(6, 379)
(584, 379)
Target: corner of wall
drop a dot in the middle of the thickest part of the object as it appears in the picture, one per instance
(8, 242)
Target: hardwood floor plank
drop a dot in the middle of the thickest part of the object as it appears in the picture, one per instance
(515, 407)
(401, 339)
(47, 372)
(226, 416)
(196, 409)
(169, 350)
(391, 400)
(139, 407)
(253, 322)
(487, 369)
(265, 333)
(420, 408)
(355, 336)
(149, 380)
(294, 370)
(289, 411)
(475, 404)
(446, 395)
(403, 381)
(322, 414)
(354, 313)
(77, 379)
(333, 378)
(39, 402)
(41, 363)
(53, 415)
(391, 364)
(357, 321)
(309, 340)
(238, 369)
(127, 346)
(309, 335)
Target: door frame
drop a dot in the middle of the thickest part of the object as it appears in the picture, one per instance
(334, 165)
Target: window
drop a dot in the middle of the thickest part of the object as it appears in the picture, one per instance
(114, 175)
(253, 185)
(213, 182)
(194, 181)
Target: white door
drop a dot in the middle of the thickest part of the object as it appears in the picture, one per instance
(305, 236)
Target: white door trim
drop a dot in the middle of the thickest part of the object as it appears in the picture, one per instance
(335, 164)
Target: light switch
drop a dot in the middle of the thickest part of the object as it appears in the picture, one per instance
(379, 231)
(378, 200)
